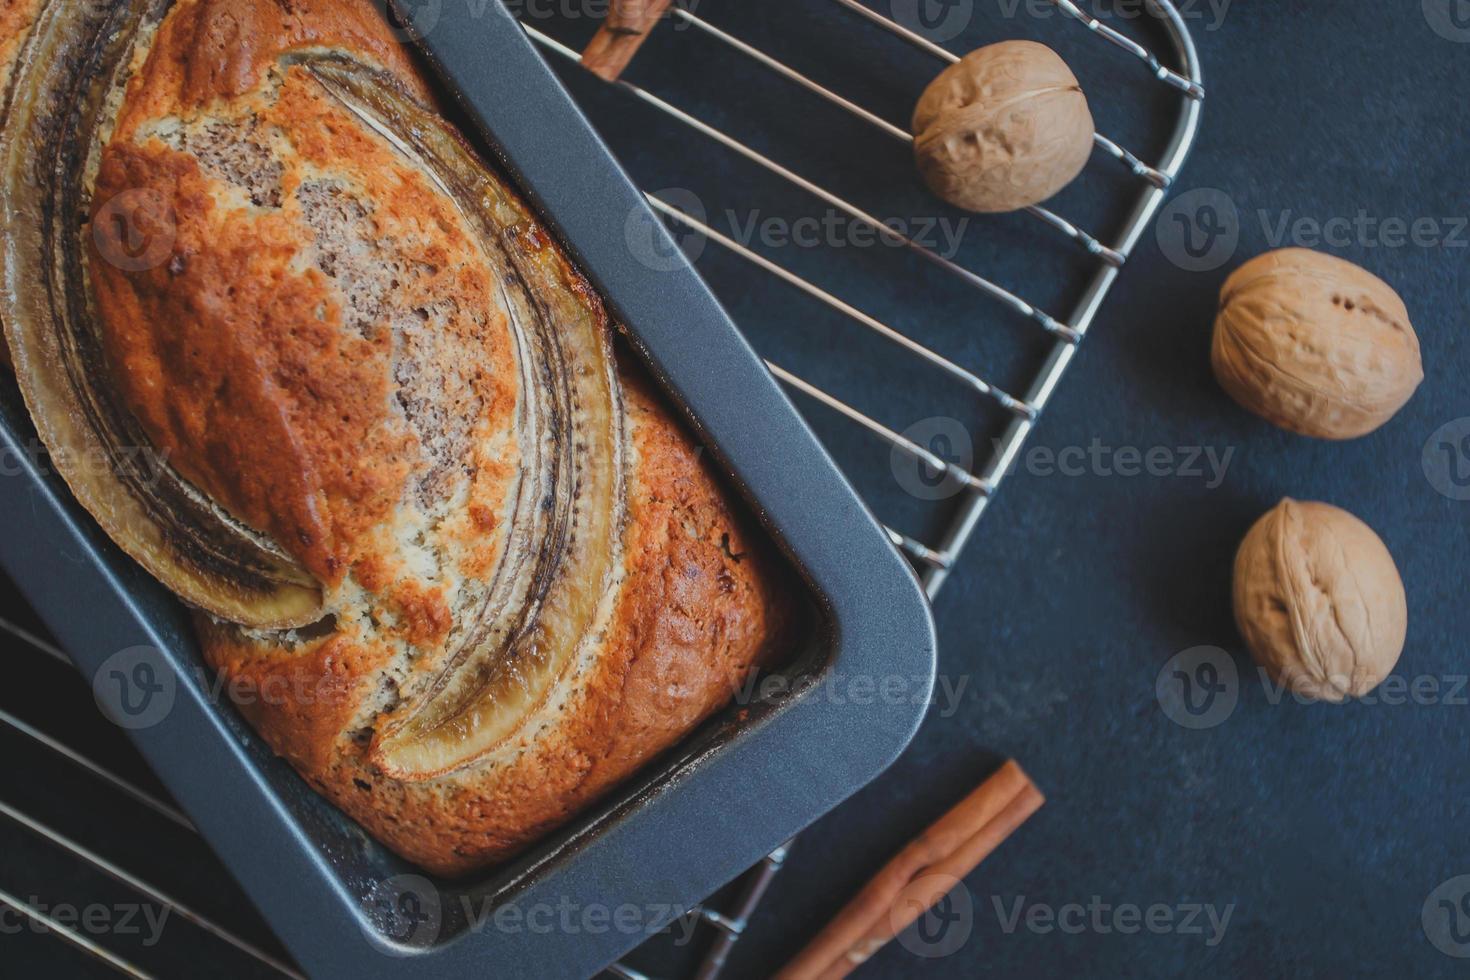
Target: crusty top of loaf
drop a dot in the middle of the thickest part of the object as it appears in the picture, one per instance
(325, 352)
(321, 334)
(210, 50)
(703, 606)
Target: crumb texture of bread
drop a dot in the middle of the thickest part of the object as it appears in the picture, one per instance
(327, 353)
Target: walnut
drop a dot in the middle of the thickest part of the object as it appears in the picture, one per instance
(1005, 128)
(1315, 344)
(1320, 601)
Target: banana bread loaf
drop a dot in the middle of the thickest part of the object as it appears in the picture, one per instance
(453, 558)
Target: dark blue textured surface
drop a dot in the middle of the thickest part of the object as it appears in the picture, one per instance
(1327, 828)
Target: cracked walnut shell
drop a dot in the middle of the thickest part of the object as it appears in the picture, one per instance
(1319, 601)
(1004, 128)
(1315, 344)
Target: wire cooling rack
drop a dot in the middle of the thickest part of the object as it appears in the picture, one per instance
(69, 778)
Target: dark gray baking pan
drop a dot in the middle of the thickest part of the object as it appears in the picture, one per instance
(692, 820)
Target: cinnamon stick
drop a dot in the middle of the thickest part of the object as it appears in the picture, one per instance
(919, 876)
(621, 35)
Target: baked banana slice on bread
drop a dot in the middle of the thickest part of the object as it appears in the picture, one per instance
(466, 569)
(16, 18)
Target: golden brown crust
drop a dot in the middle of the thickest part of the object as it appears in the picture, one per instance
(232, 357)
(244, 365)
(702, 608)
(210, 50)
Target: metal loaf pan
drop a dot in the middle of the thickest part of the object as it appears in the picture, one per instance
(692, 820)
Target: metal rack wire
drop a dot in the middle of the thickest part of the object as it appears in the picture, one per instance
(135, 882)
(933, 559)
